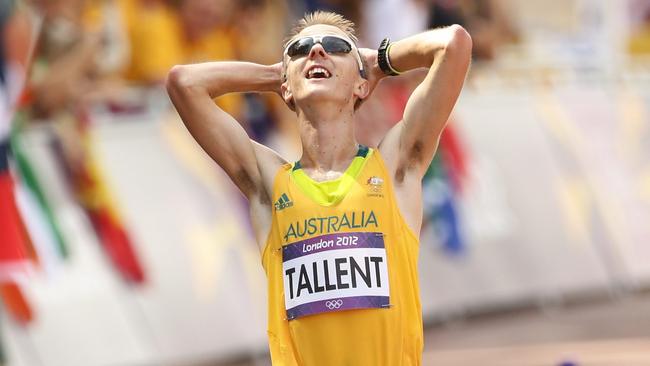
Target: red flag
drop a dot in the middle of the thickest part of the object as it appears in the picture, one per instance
(17, 39)
(454, 156)
(13, 243)
(117, 243)
(74, 149)
(14, 246)
(15, 302)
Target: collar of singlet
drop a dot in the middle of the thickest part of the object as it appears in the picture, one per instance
(331, 192)
(361, 152)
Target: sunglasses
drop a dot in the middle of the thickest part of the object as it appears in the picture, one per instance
(333, 45)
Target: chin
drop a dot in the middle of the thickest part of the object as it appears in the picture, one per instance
(324, 90)
(322, 94)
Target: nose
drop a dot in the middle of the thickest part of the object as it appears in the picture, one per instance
(317, 50)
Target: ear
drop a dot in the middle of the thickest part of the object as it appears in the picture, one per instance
(287, 95)
(362, 88)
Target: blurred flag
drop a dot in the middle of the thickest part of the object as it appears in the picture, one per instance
(16, 40)
(74, 150)
(14, 252)
(16, 303)
(14, 244)
(441, 188)
(41, 221)
(453, 157)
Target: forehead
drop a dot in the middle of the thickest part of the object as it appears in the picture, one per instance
(320, 29)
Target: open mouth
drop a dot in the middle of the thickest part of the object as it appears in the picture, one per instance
(318, 72)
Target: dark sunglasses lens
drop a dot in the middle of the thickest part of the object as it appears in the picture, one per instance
(301, 47)
(331, 45)
(336, 45)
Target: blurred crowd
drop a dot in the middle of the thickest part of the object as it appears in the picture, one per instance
(93, 51)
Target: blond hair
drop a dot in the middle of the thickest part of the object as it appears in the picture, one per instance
(322, 17)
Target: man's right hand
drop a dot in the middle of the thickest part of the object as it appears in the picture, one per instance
(279, 69)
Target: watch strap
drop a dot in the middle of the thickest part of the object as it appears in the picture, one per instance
(382, 58)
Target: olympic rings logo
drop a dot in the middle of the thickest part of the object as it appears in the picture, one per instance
(334, 304)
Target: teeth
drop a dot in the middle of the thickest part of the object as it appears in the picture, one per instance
(318, 70)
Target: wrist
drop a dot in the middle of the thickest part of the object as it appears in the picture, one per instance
(373, 66)
(273, 77)
(383, 58)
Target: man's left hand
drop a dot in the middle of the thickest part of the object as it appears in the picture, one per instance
(373, 72)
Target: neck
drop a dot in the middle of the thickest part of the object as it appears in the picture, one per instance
(327, 135)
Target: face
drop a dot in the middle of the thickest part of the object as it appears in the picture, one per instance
(315, 75)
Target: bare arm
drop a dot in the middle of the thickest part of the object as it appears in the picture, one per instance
(192, 88)
(410, 145)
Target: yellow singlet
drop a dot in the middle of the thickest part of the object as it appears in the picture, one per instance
(341, 265)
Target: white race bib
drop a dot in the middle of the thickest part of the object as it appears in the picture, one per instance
(334, 272)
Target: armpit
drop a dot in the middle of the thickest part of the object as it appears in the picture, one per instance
(413, 159)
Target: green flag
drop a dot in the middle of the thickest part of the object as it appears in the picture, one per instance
(29, 179)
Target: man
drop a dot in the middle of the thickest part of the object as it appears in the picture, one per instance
(338, 229)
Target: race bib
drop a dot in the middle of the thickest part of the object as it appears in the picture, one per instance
(335, 272)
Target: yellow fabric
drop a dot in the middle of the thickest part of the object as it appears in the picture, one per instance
(639, 43)
(330, 192)
(360, 337)
(154, 43)
(92, 15)
(158, 42)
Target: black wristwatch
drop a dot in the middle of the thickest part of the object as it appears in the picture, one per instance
(382, 58)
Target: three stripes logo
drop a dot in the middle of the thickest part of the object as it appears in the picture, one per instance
(283, 202)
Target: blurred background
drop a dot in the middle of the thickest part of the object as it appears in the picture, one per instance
(121, 243)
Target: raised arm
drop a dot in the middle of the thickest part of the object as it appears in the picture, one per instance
(410, 145)
(192, 89)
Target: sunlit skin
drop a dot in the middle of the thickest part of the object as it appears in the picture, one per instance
(325, 107)
(335, 91)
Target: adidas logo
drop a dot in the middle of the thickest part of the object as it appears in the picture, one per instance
(283, 202)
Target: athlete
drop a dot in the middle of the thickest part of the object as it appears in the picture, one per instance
(339, 228)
